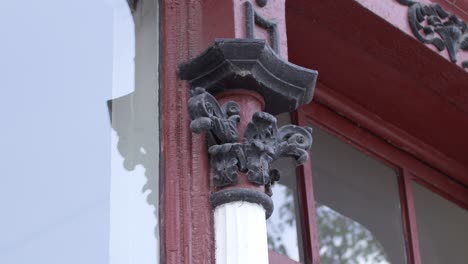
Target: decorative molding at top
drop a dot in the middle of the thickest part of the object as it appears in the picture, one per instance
(251, 64)
(431, 24)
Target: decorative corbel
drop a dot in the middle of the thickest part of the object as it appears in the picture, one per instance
(254, 66)
(237, 86)
(263, 141)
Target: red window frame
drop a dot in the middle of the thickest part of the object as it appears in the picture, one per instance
(325, 114)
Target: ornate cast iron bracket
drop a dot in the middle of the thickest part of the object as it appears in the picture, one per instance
(249, 64)
(253, 65)
(431, 24)
(263, 141)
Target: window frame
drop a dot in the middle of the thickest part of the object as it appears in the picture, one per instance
(325, 114)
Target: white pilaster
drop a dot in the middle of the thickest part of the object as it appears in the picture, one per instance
(240, 233)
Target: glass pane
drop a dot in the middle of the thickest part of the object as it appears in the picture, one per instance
(284, 234)
(63, 193)
(442, 228)
(357, 205)
(282, 225)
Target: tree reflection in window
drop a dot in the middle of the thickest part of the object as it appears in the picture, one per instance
(345, 241)
(282, 232)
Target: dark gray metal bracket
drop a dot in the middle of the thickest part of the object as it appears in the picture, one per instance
(263, 142)
(431, 24)
(246, 195)
(235, 63)
(249, 64)
(220, 122)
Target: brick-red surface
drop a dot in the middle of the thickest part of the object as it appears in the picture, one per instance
(463, 5)
(419, 98)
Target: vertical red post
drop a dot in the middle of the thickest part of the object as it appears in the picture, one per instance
(188, 27)
(409, 214)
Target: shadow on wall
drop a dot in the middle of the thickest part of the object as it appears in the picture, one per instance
(137, 132)
(135, 120)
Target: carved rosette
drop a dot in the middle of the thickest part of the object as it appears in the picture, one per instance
(263, 141)
(431, 24)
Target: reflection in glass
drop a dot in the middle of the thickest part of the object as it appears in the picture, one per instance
(282, 226)
(442, 228)
(134, 230)
(358, 210)
(343, 240)
(64, 196)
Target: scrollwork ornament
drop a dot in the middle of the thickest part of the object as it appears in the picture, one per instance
(266, 143)
(207, 115)
(431, 24)
(263, 142)
(224, 160)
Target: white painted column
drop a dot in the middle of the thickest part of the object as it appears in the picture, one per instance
(240, 233)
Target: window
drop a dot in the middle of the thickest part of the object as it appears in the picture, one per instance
(362, 200)
(284, 225)
(357, 204)
(442, 227)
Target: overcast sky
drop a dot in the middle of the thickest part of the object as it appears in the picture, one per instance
(55, 145)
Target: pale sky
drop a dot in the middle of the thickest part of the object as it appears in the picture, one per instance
(56, 76)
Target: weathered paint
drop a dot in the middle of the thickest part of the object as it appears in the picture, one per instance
(186, 218)
(187, 28)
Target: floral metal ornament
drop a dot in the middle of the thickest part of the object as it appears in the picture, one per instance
(263, 141)
(208, 116)
(431, 24)
(225, 163)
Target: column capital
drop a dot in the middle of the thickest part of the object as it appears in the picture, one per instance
(253, 65)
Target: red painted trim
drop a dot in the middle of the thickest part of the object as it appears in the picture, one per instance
(396, 136)
(186, 217)
(385, 78)
(372, 144)
(307, 204)
(186, 234)
(409, 216)
(276, 258)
